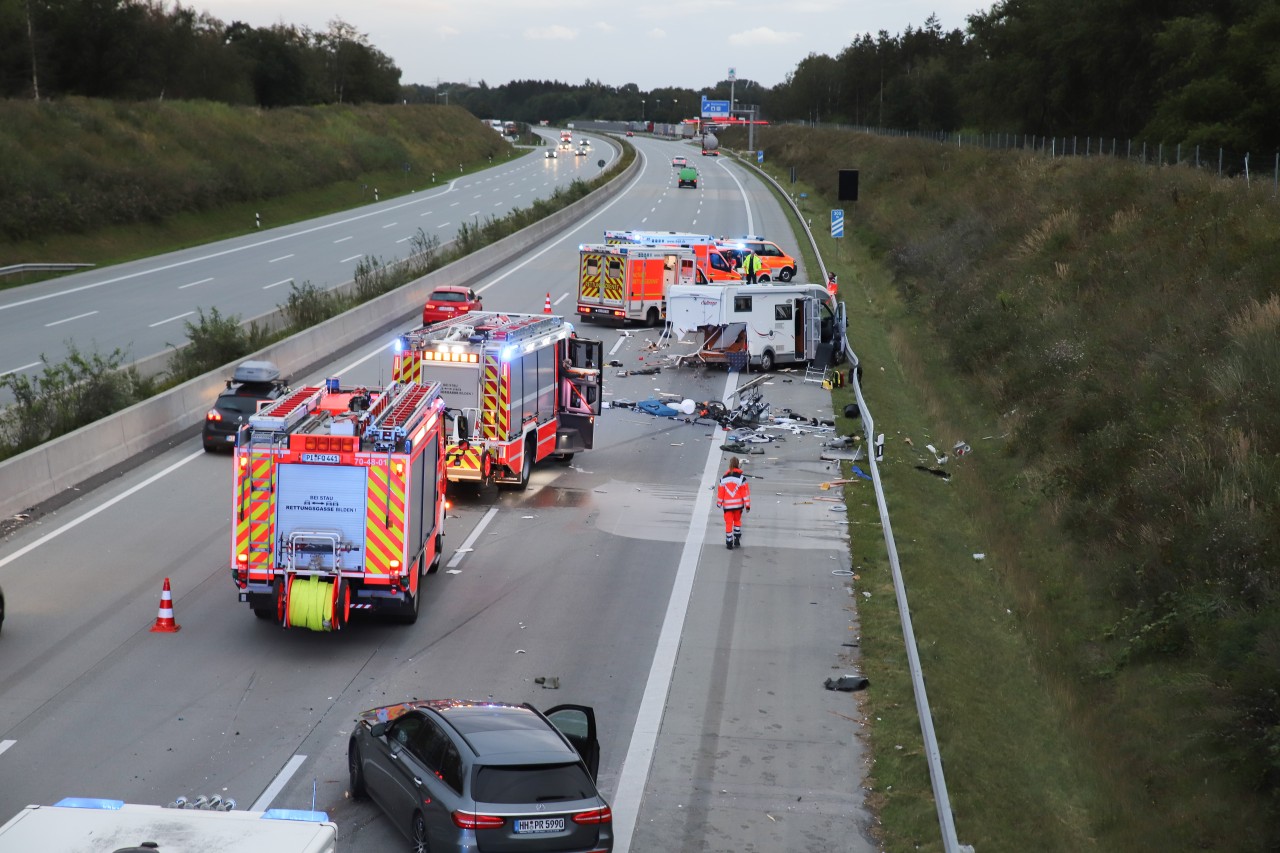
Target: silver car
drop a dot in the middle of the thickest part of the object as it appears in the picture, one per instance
(483, 776)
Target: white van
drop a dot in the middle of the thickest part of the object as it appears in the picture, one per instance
(771, 323)
(77, 824)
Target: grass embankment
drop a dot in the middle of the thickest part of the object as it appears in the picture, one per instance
(90, 181)
(1106, 338)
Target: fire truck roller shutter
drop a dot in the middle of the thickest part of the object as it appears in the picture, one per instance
(516, 386)
(324, 497)
(547, 382)
(425, 492)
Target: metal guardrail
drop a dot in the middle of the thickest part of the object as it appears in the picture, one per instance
(946, 820)
(17, 268)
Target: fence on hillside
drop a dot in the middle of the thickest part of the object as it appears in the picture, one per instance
(1253, 169)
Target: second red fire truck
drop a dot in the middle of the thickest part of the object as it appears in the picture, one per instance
(520, 388)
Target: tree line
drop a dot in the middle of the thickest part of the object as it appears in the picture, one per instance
(142, 50)
(1196, 72)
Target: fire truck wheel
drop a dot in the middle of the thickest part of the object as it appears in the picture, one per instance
(409, 614)
(653, 318)
(526, 469)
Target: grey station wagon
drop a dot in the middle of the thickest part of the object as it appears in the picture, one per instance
(458, 775)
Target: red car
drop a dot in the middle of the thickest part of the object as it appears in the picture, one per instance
(449, 301)
(629, 133)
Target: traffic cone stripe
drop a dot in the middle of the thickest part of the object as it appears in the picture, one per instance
(165, 623)
(546, 308)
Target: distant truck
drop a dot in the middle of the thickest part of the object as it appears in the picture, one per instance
(511, 129)
(710, 145)
(77, 824)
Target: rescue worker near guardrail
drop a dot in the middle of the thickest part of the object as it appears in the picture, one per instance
(734, 497)
(751, 267)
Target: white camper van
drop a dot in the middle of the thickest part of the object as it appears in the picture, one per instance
(77, 824)
(772, 323)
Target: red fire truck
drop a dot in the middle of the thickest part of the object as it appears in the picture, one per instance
(629, 282)
(338, 503)
(520, 387)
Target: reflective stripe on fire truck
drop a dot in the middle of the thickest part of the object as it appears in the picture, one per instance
(489, 398)
(255, 533)
(465, 462)
(406, 370)
(384, 520)
(504, 402)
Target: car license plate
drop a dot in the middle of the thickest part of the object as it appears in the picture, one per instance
(601, 311)
(231, 438)
(540, 824)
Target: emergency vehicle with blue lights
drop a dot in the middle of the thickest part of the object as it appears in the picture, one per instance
(520, 388)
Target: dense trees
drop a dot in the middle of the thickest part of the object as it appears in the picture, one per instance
(139, 49)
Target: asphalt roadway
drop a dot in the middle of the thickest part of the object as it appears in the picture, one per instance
(705, 666)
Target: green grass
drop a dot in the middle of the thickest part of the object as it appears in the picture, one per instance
(1085, 326)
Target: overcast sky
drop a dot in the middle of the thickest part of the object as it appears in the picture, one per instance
(652, 43)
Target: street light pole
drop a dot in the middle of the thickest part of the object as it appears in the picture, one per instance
(642, 109)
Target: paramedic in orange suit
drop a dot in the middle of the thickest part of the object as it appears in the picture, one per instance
(734, 497)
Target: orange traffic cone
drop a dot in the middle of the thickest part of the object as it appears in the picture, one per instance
(546, 307)
(164, 620)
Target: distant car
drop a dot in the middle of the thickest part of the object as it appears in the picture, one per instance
(449, 301)
(586, 143)
(679, 162)
(251, 385)
(629, 133)
(581, 152)
(687, 177)
(551, 154)
(465, 776)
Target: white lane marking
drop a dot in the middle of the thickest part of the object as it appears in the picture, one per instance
(517, 195)
(277, 784)
(352, 258)
(428, 213)
(644, 737)
(20, 369)
(455, 204)
(281, 258)
(221, 253)
(5, 744)
(392, 225)
(26, 549)
(403, 239)
(562, 298)
(445, 225)
(194, 283)
(475, 534)
(69, 319)
(618, 344)
(345, 239)
(571, 232)
(171, 319)
(277, 284)
(474, 213)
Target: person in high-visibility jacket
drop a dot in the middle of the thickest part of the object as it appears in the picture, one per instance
(751, 265)
(734, 497)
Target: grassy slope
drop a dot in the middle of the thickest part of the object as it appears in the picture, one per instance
(1055, 737)
(101, 182)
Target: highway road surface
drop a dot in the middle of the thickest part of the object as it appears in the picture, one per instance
(705, 666)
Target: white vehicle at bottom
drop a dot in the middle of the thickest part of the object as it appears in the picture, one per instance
(760, 324)
(77, 824)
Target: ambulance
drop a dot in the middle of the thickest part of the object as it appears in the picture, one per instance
(713, 264)
(520, 388)
(629, 282)
(338, 503)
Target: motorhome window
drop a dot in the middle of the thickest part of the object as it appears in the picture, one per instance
(742, 304)
(782, 312)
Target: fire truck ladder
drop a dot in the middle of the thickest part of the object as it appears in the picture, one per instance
(287, 412)
(399, 417)
(526, 327)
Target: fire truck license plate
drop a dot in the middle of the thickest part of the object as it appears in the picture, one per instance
(540, 824)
